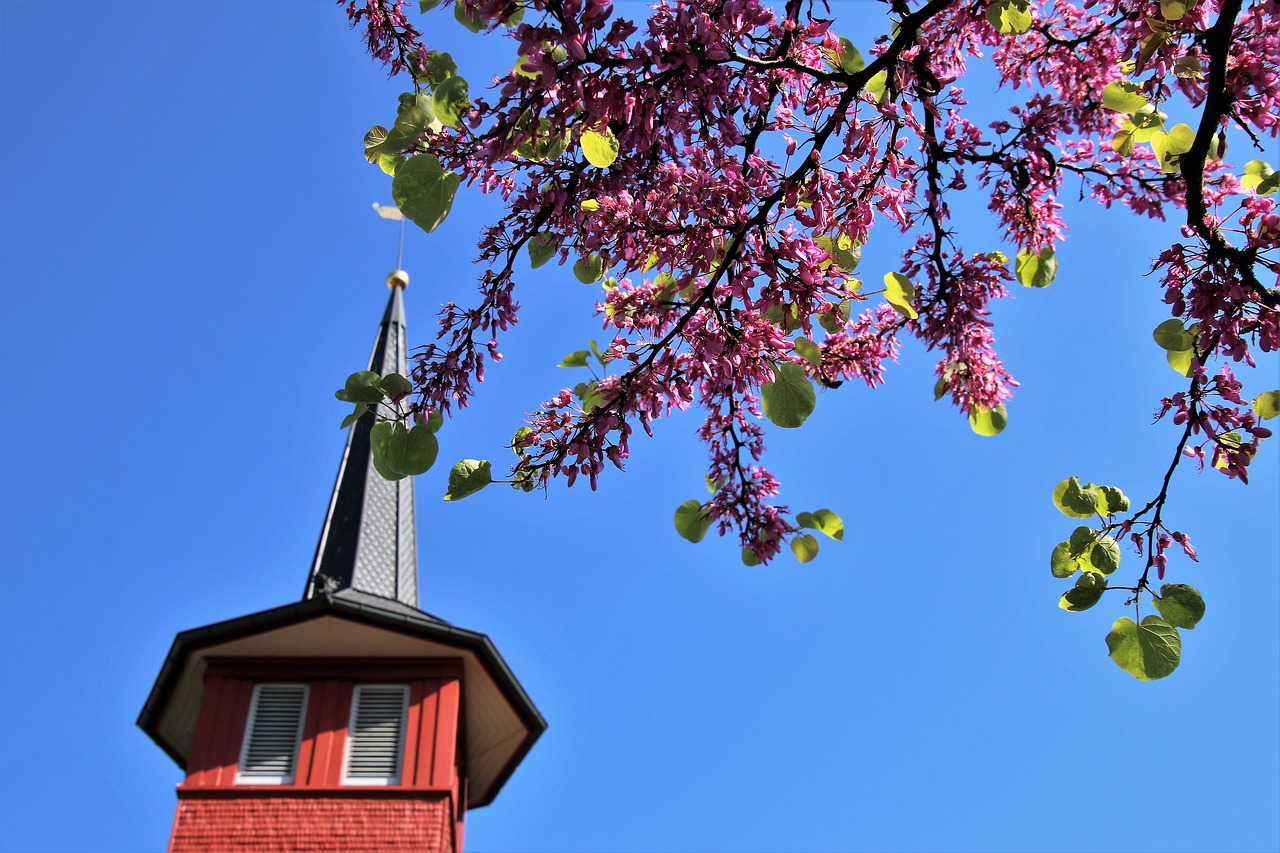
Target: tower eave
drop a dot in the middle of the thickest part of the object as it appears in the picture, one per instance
(501, 721)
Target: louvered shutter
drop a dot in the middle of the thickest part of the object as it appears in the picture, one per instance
(270, 752)
(375, 738)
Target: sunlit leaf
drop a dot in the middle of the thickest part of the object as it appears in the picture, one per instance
(361, 387)
(828, 523)
(589, 270)
(808, 350)
(805, 547)
(789, 399)
(468, 477)
(1169, 147)
(1147, 651)
(1181, 606)
(577, 358)
(424, 191)
(373, 143)
(1181, 361)
(1171, 335)
(1104, 556)
(1260, 177)
(542, 248)
(1086, 593)
(1074, 500)
(1010, 17)
(691, 523)
(988, 422)
(898, 292)
(1123, 96)
(450, 100)
(600, 149)
(1114, 500)
(350, 419)
(1036, 269)
(1267, 404)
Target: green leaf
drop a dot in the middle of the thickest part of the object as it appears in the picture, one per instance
(588, 395)
(1074, 500)
(1115, 500)
(789, 399)
(520, 441)
(388, 163)
(878, 85)
(898, 292)
(1104, 557)
(1169, 147)
(393, 384)
(437, 68)
(749, 557)
(361, 387)
(1267, 405)
(601, 149)
(1062, 562)
(846, 58)
(1181, 362)
(1010, 17)
(1147, 651)
(834, 321)
(1036, 269)
(1171, 335)
(450, 100)
(427, 5)
(988, 422)
(434, 421)
(424, 191)
(1188, 67)
(690, 521)
(542, 248)
(805, 547)
(1181, 606)
(577, 358)
(360, 409)
(469, 18)
(399, 452)
(827, 522)
(1123, 96)
(468, 477)
(808, 350)
(514, 19)
(1081, 542)
(373, 143)
(590, 205)
(1175, 10)
(589, 270)
(414, 115)
(1260, 177)
(1086, 593)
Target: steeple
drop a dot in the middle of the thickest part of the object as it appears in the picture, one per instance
(368, 541)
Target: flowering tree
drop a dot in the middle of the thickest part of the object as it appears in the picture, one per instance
(717, 169)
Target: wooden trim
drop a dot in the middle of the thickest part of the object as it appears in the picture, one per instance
(313, 669)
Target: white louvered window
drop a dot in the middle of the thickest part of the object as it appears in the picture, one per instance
(375, 738)
(269, 755)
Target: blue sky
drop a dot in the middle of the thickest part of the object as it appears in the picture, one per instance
(191, 266)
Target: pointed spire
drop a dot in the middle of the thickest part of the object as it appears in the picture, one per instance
(368, 541)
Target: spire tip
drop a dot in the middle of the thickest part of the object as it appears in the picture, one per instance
(398, 278)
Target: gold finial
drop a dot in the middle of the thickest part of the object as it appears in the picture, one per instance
(397, 278)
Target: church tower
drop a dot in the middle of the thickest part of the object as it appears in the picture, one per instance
(350, 720)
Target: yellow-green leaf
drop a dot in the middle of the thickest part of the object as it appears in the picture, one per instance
(1123, 96)
(898, 292)
(1267, 404)
(988, 422)
(601, 149)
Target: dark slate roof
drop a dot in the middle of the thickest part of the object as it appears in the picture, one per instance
(368, 541)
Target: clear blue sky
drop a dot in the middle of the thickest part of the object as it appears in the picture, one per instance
(191, 266)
